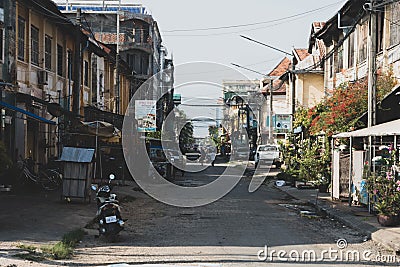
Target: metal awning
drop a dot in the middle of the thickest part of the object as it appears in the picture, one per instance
(385, 129)
(77, 154)
(27, 113)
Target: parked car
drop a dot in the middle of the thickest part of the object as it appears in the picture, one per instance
(241, 153)
(193, 155)
(175, 157)
(268, 154)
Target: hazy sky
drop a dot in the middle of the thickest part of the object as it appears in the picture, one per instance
(225, 45)
(178, 19)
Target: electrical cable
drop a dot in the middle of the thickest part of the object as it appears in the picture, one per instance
(338, 45)
(255, 23)
(55, 15)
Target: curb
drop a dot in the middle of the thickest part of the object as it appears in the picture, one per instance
(381, 236)
(363, 228)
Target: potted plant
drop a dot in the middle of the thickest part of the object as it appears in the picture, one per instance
(385, 195)
(323, 184)
(5, 165)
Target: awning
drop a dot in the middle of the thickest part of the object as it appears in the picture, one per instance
(27, 113)
(100, 128)
(76, 154)
(385, 129)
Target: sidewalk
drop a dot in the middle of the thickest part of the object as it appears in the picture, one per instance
(357, 218)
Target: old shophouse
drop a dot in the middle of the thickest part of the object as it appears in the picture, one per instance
(51, 67)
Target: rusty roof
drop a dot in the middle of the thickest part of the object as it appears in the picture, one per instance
(281, 68)
(302, 53)
(317, 25)
(279, 87)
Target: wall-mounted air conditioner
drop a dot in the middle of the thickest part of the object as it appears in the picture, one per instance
(43, 77)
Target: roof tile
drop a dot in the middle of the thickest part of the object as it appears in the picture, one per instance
(281, 68)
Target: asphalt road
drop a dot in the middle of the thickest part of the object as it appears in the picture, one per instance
(236, 230)
(228, 232)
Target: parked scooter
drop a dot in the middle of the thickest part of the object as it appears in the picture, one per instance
(108, 210)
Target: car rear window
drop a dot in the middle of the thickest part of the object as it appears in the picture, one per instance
(268, 148)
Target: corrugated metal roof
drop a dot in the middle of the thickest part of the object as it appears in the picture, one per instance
(77, 154)
(384, 129)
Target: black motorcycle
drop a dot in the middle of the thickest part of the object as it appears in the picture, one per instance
(108, 214)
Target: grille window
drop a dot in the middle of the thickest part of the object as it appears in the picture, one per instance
(21, 38)
(60, 60)
(34, 45)
(47, 52)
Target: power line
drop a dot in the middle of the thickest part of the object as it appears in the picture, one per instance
(232, 32)
(255, 23)
(202, 105)
(236, 65)
(269, 46)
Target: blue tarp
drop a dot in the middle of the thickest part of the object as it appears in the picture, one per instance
(136, 10)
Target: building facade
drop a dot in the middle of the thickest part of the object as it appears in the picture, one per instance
(56, 74)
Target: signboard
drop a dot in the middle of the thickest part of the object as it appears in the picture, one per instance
(281, 123)
(177, 99)
(145, 114)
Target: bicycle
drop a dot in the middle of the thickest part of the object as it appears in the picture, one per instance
(48, 179)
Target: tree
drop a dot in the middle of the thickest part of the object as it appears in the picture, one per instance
(186, 138)
(341, 111)
(214, 135)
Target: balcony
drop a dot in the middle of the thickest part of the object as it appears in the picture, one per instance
(145, 47)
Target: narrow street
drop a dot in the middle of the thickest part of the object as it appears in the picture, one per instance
(101, 101)
(228, 232)
(231, 230)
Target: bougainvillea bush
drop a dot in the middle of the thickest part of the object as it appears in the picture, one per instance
(337, 113)
(341, 111)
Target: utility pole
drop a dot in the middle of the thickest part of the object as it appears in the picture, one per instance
(271, 133)
(270, 121)
(293, 87)
(5, 67)
(117, 81)
(372, 66)
(293, 90)
(76, 91)
(371, 75)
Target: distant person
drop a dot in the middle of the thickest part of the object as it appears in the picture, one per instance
(213, 155)
(223, 150)
(202, 155)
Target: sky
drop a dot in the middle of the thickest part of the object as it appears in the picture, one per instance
(179, 20)
(225, 45)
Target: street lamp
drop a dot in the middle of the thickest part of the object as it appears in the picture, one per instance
(270, 121)
(293, 88)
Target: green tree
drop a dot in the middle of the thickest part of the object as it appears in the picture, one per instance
(213, 132)
(186, 138)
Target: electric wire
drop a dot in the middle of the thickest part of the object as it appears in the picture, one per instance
(255, 23)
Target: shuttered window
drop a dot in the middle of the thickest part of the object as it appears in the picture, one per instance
(395, 24)
(1, 45)
(47, 52)
(362, 41)
(21, 38)
(351, 51)
(35, 45)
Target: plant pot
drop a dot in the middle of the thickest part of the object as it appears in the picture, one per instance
(323, 188)
(388, 220)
